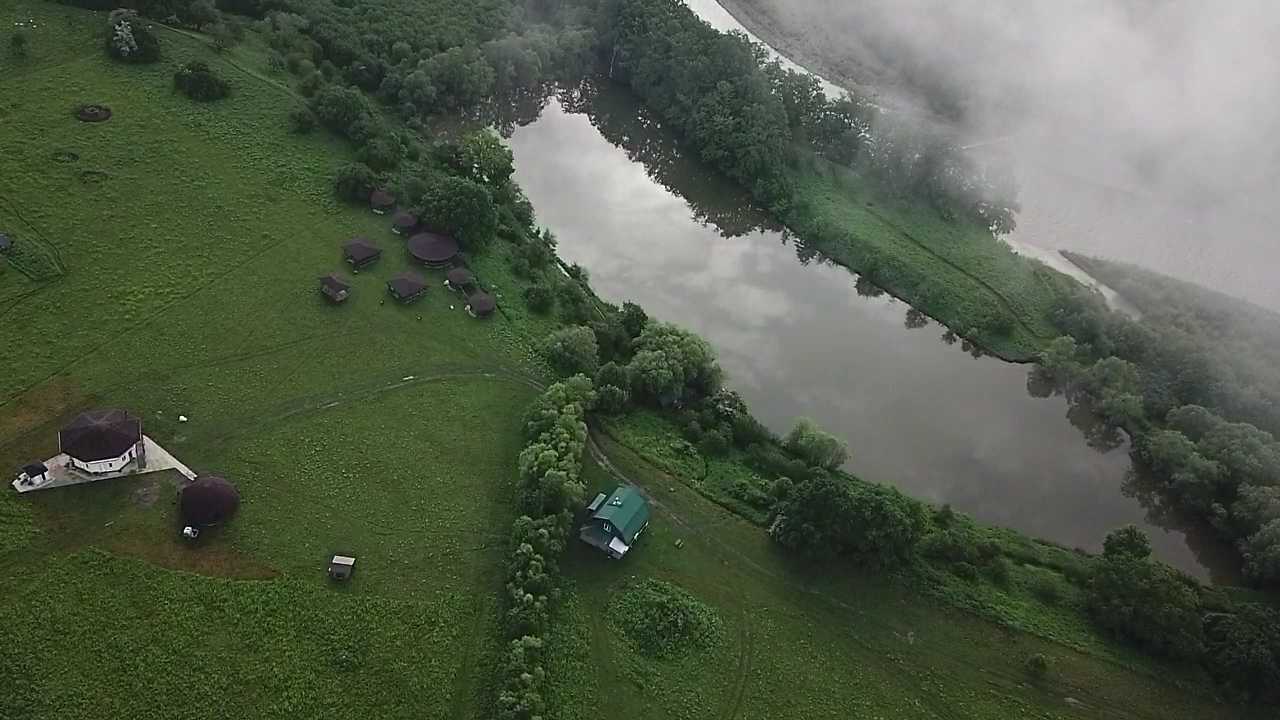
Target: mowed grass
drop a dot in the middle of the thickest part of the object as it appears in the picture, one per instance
(807, 641)
(954, 271)
(192, 236)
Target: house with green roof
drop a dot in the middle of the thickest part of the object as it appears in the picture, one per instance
(615, 521)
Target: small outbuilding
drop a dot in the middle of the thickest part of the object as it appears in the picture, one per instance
(615, 521)
(102, 441)
(33, 474)
(460, 279)
(360, 252)
(403, 223)
(381, 201)
(5, 243)
(341, 568)
(407, 286)
(433, 249)
(481, 305)
(335, 288)
(208, 500)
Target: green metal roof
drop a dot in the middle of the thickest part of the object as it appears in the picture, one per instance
(626, 510)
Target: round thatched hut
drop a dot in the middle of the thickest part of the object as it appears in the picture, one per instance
(102, 441)
(208, 500)
(460, 278)
(381, 201)
(481, 305)
(433, 249)
(403, 223)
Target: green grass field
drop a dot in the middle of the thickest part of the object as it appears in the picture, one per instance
(957, 272)
(172, 266)
(191, 237)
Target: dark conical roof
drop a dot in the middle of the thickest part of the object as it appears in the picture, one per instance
(459, 276)
(404, 220)
(433, 248)
(207, 500)
(100, 435)
(482, 303)
(360, 250)
(381, 199)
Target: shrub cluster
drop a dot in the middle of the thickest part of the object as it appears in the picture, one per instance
(198, 81)
(662, 620)
(131, 39)
(551, 488)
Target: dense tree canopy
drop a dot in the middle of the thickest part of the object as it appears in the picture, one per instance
(672, 365)
(1147, 603)
(833, 516)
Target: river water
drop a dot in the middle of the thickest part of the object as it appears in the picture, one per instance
(805, 339)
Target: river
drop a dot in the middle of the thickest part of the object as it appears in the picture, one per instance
(806, 339)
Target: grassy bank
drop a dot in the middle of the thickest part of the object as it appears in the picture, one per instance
(800, 640)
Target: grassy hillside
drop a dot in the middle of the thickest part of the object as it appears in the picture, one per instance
(174, 253)
(802, 641)
(189, 238)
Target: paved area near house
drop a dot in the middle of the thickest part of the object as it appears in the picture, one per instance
(62, 473)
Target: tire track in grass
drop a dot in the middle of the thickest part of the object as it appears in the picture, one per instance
(746, 639)
(999, 681)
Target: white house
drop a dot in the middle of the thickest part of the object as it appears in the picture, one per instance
(103, 441)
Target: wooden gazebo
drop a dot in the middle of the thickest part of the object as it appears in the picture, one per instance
(403, 223)
(381, 201)
(360, 252)
(407, 286)
(460, 278)
(433, 249)
(335, 288)
(481, 305)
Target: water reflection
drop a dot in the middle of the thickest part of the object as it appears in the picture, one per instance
(814, 340)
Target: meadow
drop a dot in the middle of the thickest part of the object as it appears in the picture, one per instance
(173, 265)
(191, 237)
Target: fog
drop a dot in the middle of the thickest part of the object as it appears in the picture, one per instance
(1142, 130)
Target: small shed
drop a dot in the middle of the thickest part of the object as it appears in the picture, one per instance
(5, 243)
(403, 223)
(360, 252)
(433, 249)
(208, 500)
(407, 286)
(33, 474)
(481, 305)
(341, 567)
(459, 278)
(615, 522)
(381, 201)
(333, 287)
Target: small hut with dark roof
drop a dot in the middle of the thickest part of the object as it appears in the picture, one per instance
(403, 223)
(102, 441)
(208, 500)
(481, 305)
(433, 249)
(381, 201)
(334, 288)
(407, 286)
(360, 252)
(459, 279)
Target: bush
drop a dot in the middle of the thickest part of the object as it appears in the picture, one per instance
(611, 399)
(820, 449)
(572, 351)
(872, 523)
(539, 299)
(1047, 588)
(664, 621)
(1148, 604)
(301, 120)
(965, 571)
(130, 39)
(1243, 651)
(1126, 542)
(1037, 666)
(198, 81)
(354, 182)
(714, 443)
